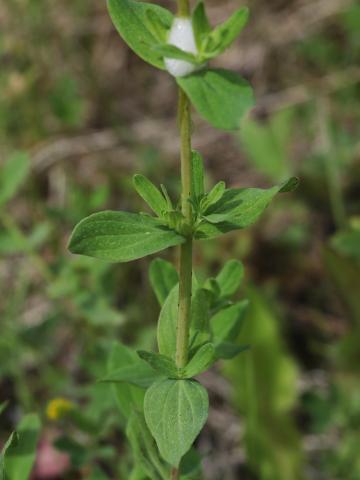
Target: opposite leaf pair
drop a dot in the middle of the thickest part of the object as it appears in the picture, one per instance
(122, 236)
(220, 96)
(176, 406)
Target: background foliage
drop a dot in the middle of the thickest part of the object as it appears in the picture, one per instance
(79, 114)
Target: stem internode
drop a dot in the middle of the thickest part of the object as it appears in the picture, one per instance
(185, 268)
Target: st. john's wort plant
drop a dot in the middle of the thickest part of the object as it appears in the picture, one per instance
(164, 407)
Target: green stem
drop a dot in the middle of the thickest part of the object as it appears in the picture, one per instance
(183, 8)
(185, 269)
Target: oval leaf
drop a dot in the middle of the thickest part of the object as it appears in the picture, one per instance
(166, 333)
(121, 236)
(175, 412)
(220, 96)
(226, 324)
(163, 278)
(150, 194)
(225, 34)
(142, 26)
(201, 361)
(230, 277)
(160, 363)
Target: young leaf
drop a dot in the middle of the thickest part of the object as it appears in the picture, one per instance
(12, 174)
(171, 51)
(221, 97)
(121, 236)
(140, 25)
(224, 35)
(144, 448)
(175, 412)
(150, 194)
(226, 324)
(201, 23)
(213, 287)
(230, 277)
(160, 363)
(158, 26)
(239, 208)
(166, 333)
(19, 453)
(213, 196)
(201, 361)
(197, 166)
(163, 278)
(127, 396)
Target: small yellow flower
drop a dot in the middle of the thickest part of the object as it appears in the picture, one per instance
(58, 408)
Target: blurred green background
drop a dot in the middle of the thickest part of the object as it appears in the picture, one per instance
(79, 115)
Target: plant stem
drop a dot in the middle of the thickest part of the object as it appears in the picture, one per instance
(174, 474)
(183, 8)
(185, 269)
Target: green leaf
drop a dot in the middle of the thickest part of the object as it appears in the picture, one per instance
(142, 26)
(197, 166)
(199, 327)
(166, 333)
(138, 374)
(224, 35)
(121, 236)
(200, 23)
(12, 175)
(20, 451)
(150, 194)
(226, 324)
(163, 278)
(157, 24)
(144, 448)
(171, 51)
(160, 363)
(214, 196)
(239, 208)
(127, 396)
(175, 412)
(190, 466)
(221, 97)
(230, 277)
(201, 361)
